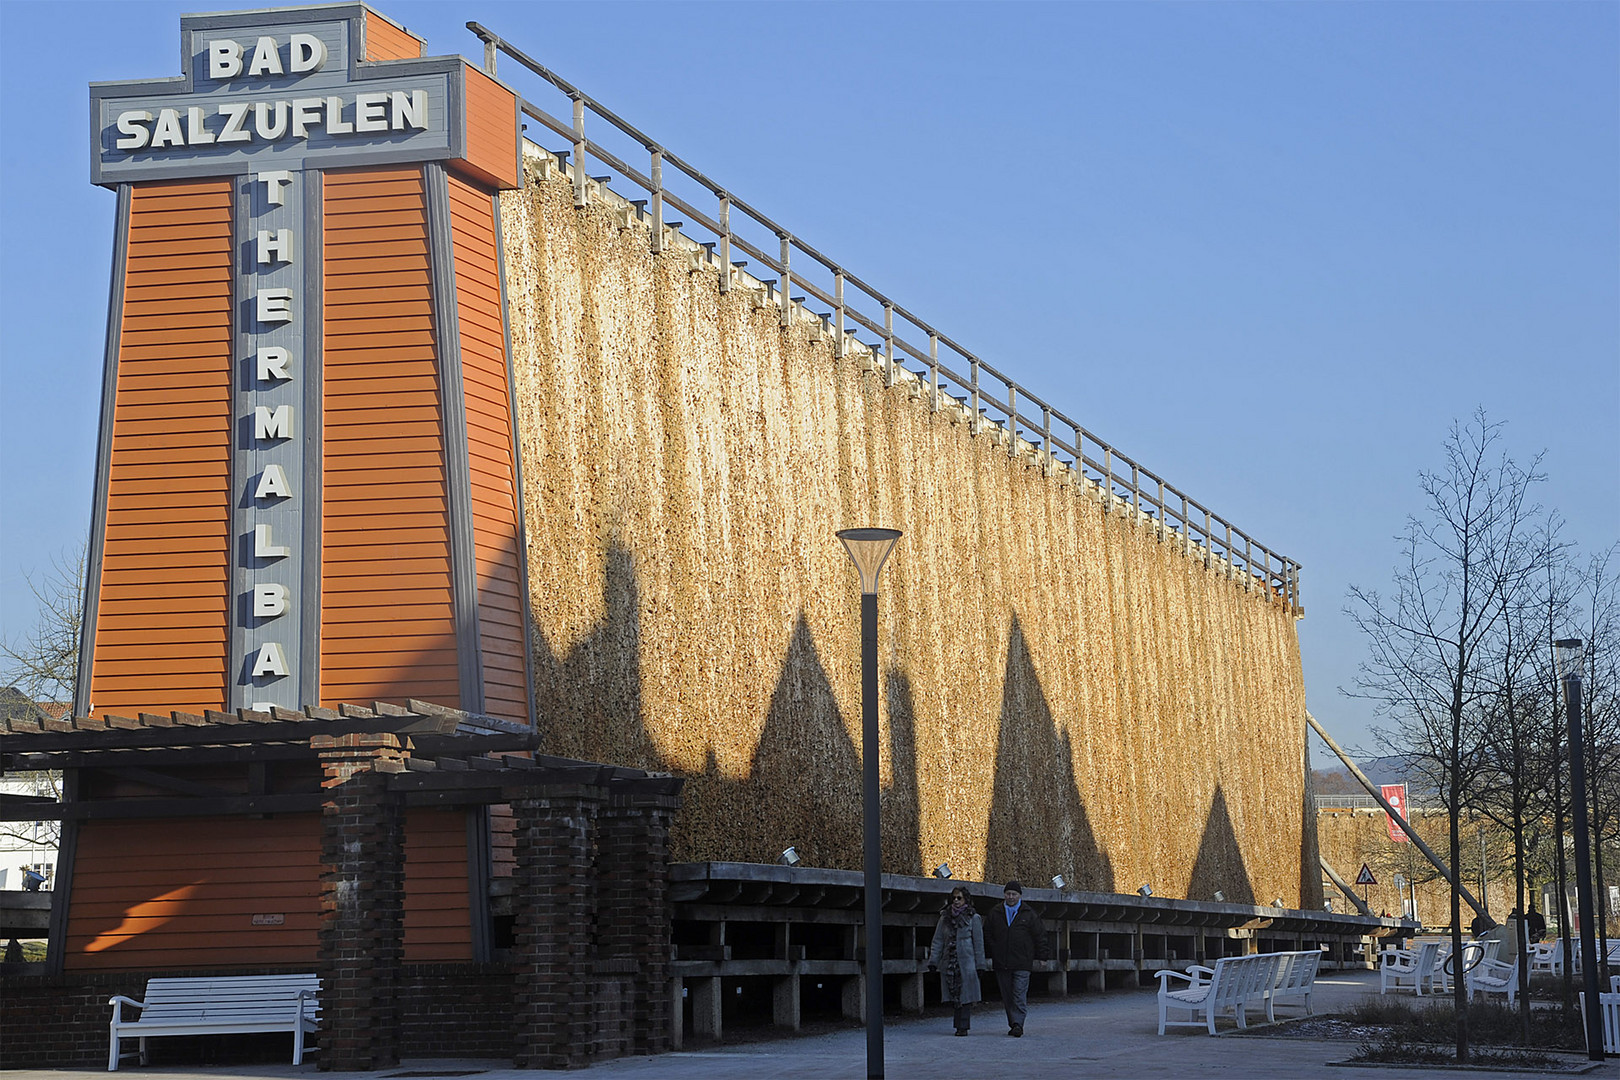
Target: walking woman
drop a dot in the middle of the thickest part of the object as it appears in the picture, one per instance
(958, 952)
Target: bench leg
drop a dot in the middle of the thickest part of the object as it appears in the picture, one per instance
(112, 1054)
(143, 1049)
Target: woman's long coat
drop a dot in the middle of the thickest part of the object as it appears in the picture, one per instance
(969, 952)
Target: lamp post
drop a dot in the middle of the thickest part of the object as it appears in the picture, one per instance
(1569, 653)
(868, 548)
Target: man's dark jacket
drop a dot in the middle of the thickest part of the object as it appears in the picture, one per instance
(1018, 946)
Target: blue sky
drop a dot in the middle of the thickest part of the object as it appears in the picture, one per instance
(1269, 250)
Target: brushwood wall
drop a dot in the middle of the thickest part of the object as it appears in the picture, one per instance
(1063, 689)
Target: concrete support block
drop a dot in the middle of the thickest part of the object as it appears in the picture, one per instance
(785, 1011)
(911, 993)
(1057, 983)
(852, 1000)
(1095, 980)
(704, 994)
(677, 1001)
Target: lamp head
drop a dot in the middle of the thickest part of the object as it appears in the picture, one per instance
(790, 857)
(1220, 897)
(1278, 903)
(942, 871)
(1058, 882)
(1568, 654)
(1145, 890)
(868, 548)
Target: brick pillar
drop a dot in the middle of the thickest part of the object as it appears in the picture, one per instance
(554, 897)
(634, 918)
(362, 901)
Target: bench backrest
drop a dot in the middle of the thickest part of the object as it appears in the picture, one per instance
(1300, 970)
(238, 997)
(1428, 953)
(1609, 1017)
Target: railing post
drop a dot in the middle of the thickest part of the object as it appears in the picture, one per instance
(933, 371)
(1228, 552)
(787, 277)
(1136, 488)
(725, 242)
(657, 200)
(1012, 419)
(888, 343)
(1248, 564)
(838, 312)
(490, 53)
(973, 382)
(580, 199)
(1108, 476)
(1046, 432)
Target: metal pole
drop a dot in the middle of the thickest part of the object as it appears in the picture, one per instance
(579, 153)
(873, 841)
(1583, 867)
(658, 201)
(1372, 789)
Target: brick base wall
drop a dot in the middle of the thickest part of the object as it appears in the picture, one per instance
(56, 1021)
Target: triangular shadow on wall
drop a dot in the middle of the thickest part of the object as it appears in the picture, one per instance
(1038, 821)
(1220, 864)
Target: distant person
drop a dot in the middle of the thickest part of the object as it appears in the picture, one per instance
(1534, 924)
(958, 953)
(1016, 938)
(1482, 922)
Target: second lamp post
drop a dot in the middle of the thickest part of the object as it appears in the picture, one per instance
(868, 548)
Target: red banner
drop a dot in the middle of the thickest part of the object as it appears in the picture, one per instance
(1395, 795)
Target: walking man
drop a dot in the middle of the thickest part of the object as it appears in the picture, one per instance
(1016, 938)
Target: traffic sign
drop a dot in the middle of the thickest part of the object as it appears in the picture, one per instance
(1366, 876)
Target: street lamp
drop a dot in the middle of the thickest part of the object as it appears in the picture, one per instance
(1568, 654)
(868, 548)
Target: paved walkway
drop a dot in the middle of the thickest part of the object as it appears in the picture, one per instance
(1101, 1035)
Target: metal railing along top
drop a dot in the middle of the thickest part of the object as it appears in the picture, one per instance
(903, 338)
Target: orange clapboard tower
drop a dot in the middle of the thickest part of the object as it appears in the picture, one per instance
(307, 489)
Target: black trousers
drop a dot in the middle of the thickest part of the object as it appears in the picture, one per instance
(964, 1017)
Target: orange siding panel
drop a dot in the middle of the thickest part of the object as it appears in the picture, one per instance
(387, 628)
(489, 445)
(492, 131)
(182, 893)
(168, 513)
(438, 925)
(385, 41)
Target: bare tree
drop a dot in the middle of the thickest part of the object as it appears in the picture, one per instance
(1428, 640)
(44, 662)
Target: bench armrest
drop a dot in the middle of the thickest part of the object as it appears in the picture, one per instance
(117, 1001)
(1164, 974)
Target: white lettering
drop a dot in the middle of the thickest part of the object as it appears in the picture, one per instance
(273, 484)
(271, 424)
(272, 364)
(335, 124)
(235, 114)
(271, 661)
(167, 132)
(408, 108)
(306, 111)
(264, 547)
(273, 181)
(133, 126)
(308, 53)
(274, 305)
(371, 112)
(224, 59)
(270, 601)
(275, 246)
(197, 134)
(261, 120)
(266, 59)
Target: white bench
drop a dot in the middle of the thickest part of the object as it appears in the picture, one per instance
(1608, 1017)
(1547, 958)
(1407, 969)
(219, 1005)
(1295, 980)
(1494, 977)
(1235, 984)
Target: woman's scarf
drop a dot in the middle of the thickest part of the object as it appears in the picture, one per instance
(955, 921)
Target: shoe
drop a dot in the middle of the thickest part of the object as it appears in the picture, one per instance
(1017, 1031)
(961, 1031)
